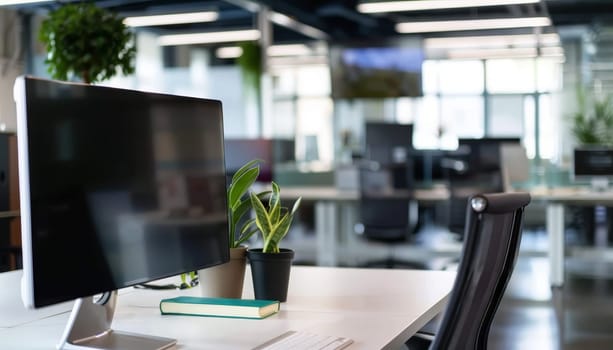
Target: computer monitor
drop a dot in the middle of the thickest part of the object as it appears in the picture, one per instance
(483, 154)
(117, 188)
(594, 164)
(388, 142)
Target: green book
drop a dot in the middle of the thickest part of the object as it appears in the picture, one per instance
(219, 307)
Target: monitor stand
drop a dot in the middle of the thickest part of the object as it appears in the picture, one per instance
(89, 326)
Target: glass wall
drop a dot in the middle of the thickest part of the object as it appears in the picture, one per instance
(491, 98)
(462, 99)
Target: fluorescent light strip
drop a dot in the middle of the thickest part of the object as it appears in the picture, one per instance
(522, 52)
(20, 2)
(274, 50)
(288, 50)
(208, 38)
(420, 5)
(476, 24)
(228, 52)
(175, 18)
(492, 41)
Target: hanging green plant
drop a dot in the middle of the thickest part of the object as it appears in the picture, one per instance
(250, 62)
(88, 42)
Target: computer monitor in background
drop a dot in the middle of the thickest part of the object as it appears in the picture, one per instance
(118, 188)
(283, 151)
(388, 142)
(427, 166)
(483, 154)
(593, 164)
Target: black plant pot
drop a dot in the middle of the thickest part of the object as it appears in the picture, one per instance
(270, 273)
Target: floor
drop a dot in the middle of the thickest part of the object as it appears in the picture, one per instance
(577, 316)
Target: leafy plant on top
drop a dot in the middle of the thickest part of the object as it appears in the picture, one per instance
(272, 220)
(86, 41)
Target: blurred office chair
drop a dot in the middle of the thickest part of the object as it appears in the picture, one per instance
(465, 180)
(492, 238)
(387, 213)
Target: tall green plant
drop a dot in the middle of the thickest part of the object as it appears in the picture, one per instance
(273, 220)
(86, 41)
(239, 205)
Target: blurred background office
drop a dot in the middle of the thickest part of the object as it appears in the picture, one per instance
(461, 75)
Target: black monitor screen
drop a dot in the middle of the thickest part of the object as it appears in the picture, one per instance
(389, 134)
(483, 154)
(388, 143)
(593, 162)
(118, 187)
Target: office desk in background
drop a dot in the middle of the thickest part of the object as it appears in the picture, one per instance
(556, 199)
(378, 309)
(336, 214)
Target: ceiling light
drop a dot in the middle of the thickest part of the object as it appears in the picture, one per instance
(228, 52)
(521, 52)
(20, 2)
(175, 18)
(420, 5)
(492, 41)
(288, 50)
(274, 50)
(475, 24)
(209, 37)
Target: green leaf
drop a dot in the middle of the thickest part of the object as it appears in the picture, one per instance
(262, 218)
(245, 168)
(239, 187)
(274, 203)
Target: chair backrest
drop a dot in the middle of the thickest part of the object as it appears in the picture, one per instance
(492, 237)
(387, 213)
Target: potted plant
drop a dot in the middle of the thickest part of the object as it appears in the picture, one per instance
(270, 265)
(593, 121)
(226, 280)
(85, 41)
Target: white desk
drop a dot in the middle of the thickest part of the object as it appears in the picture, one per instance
(335, 214)
(378, 309)
(556, 199)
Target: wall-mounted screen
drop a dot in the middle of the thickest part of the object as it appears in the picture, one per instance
(375, 71)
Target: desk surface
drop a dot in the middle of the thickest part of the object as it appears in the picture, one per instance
(573, 195)
(378, 309)
(331, 193)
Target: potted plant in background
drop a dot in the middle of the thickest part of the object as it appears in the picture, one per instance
(85, 41)
(593, 121)
(226, 280)
(270, 265)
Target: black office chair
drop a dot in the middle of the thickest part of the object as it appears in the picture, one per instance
(387, 213)
(464, 182)
(492, 237)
